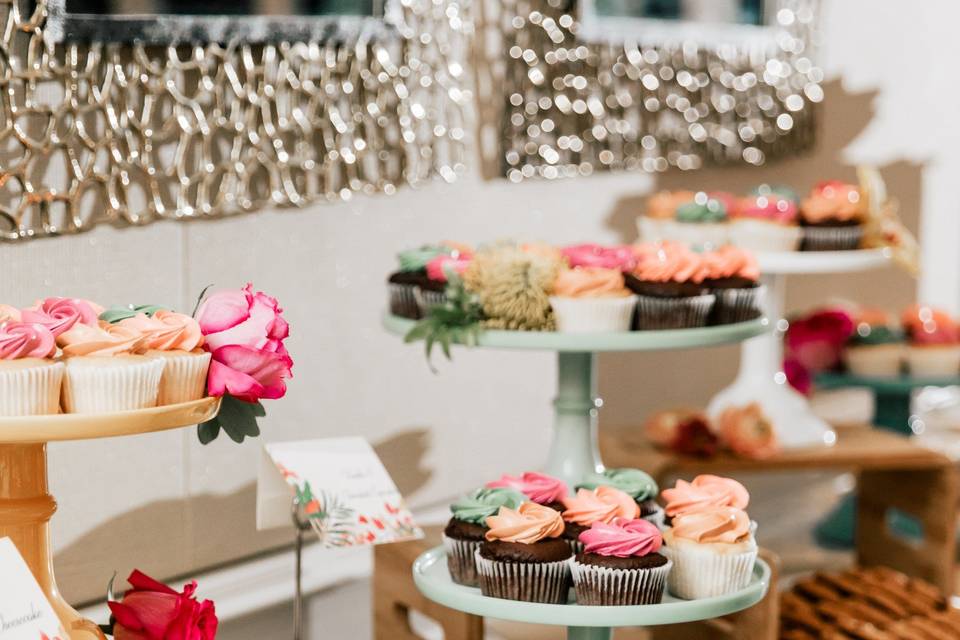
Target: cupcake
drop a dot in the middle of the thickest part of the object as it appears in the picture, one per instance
(766, 221)
(619, 565)
(832, 217)
(176, 339)
(62, 314)
(669, 283)
(106, 358)
(523, 557)
(465, 531)
(636, 484)
(734, 278)
(702, 222)
(591, 299)
(713, 552)
(876, 347)
(433, 291)
(411, 278)
(933, 348)
(538, 487)
(29, 379)
(588, 506)
(704, 492)
(658, 222)
(620, 257)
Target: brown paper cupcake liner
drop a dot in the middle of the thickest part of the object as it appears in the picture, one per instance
(655, 313)
(604, 586)
(738, 305)
(831, 238)
(402, 300)
(429, 299)
(461, 560)
(545, 582)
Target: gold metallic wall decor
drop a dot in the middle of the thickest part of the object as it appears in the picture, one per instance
(574, 105)
(128, 134)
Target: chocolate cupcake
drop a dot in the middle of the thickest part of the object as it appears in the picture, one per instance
(440, 269)
(832, 217)
(636, 484)
(464, 533)
(588, 506)
(403, 284)
(619, 565)
(669, 282)
(734, 278)
(524, 557)
(538, 487)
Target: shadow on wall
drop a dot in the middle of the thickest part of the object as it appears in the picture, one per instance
(630, 393)
(178, 537)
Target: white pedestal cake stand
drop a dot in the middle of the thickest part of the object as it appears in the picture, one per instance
(761, 378)
(574, 454)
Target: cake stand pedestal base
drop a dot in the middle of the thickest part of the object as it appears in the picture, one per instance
(589, 633)
(25, 511)
(574, 452)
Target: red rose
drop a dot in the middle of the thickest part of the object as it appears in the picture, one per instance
(154, 611)
(816, 341)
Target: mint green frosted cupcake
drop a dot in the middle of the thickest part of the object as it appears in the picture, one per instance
(466, 530)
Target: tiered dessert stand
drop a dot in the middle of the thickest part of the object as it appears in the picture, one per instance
(25, 505)
(761, 378)
(574, 454)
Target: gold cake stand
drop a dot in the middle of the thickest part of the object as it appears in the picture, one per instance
(25, 504)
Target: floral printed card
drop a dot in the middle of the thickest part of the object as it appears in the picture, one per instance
(343, 488)
(25, 613)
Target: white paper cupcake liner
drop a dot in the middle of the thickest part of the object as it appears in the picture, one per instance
(707, 235)
(402, 300)
(589, 315)
(881, 360)
(655, 313)
(544, 582)
(763, 236)
(116, 385)
(704, 573)
(604, 586)
(934, 361)
(31, 391)
(428, 299)
(738, 305)
(831, 238)
(461, 561)
(184, 377)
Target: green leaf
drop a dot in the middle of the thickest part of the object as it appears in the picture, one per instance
(208, 431)
(239, 418)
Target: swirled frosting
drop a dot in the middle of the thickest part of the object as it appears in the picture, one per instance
(771, 207)
(114, 315)
(670, 262)
(103, 340)
(926, 325)
(26, 340)
(622, 538)
(527, 524)
(602, 504)
(417, 259)
(477, 506)
(704, 208)
(438, 268)
(633, 482)
(166, 331)
(729, 261)
(538, 487)
(9, 314)
(62, 314)
(590, 282)
(620, 257)
(718, 524)
(833, 200)
(705, 492)
(664, 204)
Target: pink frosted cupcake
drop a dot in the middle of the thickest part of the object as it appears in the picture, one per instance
(619, 257)
(766, 222)
(592, 300)
(177, 340)
(589, 506)
(538, 487)
(619, 564)
(29, 379)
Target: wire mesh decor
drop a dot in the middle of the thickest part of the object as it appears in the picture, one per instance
(575, 105)
(126, 134)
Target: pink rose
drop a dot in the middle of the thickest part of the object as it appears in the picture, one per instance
(248, 374)
(154, 611)
(748, 432)
(816, 341)
(61, 314)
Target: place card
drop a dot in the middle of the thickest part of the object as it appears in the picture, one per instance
(25, 612)
(343, 488)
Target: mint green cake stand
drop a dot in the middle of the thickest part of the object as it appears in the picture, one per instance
(583, 623)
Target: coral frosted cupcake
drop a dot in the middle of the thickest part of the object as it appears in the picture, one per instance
(592, 299)
(934, 342)
(603, 504)
(669, 283)
(658, 221)
(524, 558)
(619, 565)
(876, 348)
(466, 529)
(832, 217)
(766, 221)
(105, 372)
(29, 380)
(704, 492)
(734, 278)
(538, 487)
(713, 552)
(635, 483)
(177, 340)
